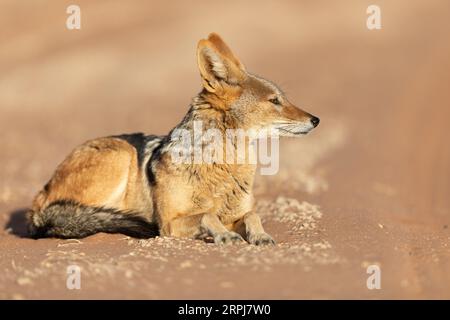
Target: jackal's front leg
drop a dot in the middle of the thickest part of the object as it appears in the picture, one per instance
(255, 231)
(212, 225)
(197, 225)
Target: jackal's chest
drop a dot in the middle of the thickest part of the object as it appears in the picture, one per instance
(227, 195)
(233, 208)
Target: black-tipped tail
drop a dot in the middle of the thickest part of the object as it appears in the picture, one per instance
(69, 219)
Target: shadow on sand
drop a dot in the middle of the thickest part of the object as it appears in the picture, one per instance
(17, 223)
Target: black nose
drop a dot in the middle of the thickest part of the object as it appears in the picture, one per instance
(315, 121)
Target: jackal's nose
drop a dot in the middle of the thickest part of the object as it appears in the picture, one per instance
(315, 121)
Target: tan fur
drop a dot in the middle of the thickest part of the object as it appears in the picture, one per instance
(101, 172)
(186, 200)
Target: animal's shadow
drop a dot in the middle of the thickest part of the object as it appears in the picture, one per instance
(17, 223)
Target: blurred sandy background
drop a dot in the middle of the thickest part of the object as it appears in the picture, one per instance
(370, 186)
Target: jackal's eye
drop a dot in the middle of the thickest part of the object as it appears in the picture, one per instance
(275, 101)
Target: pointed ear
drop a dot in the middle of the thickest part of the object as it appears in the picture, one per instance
(217, 64)
(222, 47)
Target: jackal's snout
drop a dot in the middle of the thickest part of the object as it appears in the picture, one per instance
(293, 121)
(311, 122)
(315, 121)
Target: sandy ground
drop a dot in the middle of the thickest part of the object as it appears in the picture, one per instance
(370, 186)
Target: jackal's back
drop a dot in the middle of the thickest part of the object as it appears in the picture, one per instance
(102, 173)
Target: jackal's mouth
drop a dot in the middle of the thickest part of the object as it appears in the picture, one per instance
(289, 132)
(292, 130)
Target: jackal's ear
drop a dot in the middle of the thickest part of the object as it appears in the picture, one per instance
(217, 64)
(223, 48)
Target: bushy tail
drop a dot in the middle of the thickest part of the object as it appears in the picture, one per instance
(69, 219)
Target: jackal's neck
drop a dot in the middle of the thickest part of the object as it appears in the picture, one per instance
(203, 112)
(235, 148)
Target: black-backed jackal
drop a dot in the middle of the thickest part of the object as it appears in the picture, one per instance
(130, 184)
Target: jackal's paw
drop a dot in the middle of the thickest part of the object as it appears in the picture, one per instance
(227, 238)
(260, 239)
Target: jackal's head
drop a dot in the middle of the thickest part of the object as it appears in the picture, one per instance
(249, 102)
